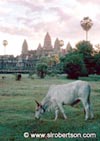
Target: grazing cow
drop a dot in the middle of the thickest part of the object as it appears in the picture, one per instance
(3, 77)
(66, 94)
(18, 77)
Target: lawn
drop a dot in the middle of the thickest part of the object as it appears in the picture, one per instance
(17, 108)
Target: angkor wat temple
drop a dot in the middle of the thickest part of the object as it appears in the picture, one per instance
(27, 60)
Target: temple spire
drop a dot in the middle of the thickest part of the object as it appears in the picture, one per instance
(24, 47)
(47, 42)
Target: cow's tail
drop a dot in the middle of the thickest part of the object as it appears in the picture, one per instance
(88, 98)
(89, 92)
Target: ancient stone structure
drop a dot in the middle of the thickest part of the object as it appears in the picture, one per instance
(46, 50)
(68, 48)
(57, 47)
(25, 48)
(47, 43)
(29, 58)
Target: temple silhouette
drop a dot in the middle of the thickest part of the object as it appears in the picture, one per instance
(46, 50)
(27, 60)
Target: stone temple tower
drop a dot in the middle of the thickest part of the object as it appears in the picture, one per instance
(57, 46)
(47, 47)
(47, 42)
(24, 48)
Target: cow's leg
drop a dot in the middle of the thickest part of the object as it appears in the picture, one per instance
(62, 110)
(56, 113)
(87, 109)
(56, 108)
(91, 112)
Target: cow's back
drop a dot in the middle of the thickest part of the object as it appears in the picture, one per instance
(68, 92)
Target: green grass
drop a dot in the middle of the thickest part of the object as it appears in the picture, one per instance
(17, 107)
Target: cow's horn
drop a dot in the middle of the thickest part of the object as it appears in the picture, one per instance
(38, 104)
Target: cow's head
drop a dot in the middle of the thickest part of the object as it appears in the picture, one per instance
(39, 110)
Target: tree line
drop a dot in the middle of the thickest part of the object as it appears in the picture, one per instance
(82, 60)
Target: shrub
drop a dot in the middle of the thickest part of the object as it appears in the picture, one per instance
(74, 65)
(41, 69)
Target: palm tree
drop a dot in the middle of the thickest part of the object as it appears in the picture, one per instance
(86, 24)
(5, 43)
(61, 43)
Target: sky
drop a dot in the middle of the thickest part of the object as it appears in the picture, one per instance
(32, 19)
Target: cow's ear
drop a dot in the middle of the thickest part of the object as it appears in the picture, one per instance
(38, 104)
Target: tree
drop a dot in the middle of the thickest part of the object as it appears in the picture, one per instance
(97, 48)
(86, 49)
(44, 59)
(97, 63)
(41, 69)
(5, 43)
(49, 60)
(86, 24)
(53, 63)
(74, 65)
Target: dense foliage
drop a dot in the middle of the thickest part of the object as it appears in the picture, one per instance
(82, 61)
(97, 63)
(86, 49)
(74, 65)
(41, 69)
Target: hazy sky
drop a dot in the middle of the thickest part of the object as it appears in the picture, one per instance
(31, 19)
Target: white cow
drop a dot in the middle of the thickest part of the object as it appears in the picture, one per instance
(66, 94)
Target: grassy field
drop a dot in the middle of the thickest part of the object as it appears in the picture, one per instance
(17, 109)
